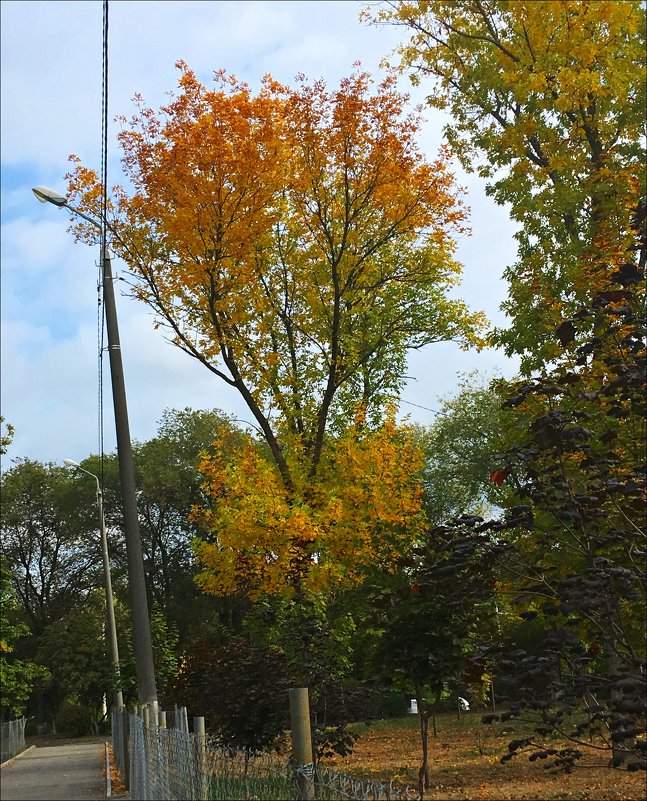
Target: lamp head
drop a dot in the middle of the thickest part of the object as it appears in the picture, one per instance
(46, 195)
(71, 463)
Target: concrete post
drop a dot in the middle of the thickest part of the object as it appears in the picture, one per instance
(136, 580)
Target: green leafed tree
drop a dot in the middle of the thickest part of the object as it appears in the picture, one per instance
(164, 637)
(170, 484)
(428, 619)
(75, 650)
(461, 448)
(6, 437)
(50, 539)
(18, 677)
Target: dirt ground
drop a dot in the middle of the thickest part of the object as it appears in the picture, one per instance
(45, 740)
(460, 771)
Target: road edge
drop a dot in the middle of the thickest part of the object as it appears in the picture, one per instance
(10, 762)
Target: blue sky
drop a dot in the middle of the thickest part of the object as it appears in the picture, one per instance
(51, 107)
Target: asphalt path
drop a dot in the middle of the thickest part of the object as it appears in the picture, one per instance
(56, 773)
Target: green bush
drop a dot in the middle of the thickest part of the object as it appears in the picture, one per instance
(393, 705)
(74, 720)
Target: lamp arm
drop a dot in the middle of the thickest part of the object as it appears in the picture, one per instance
(82, 214)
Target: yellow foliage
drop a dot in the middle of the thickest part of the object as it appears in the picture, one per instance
(547, 102)
(363, 511)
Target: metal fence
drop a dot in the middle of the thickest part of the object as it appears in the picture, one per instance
(173, 763)
(12, 738)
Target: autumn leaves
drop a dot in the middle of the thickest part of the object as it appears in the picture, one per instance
(297, 243)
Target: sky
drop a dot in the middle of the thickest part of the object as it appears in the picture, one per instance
(51, 68)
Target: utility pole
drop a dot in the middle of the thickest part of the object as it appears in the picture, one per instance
(136, 580)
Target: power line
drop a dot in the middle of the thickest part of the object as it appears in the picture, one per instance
(104, 211)
(426, 408)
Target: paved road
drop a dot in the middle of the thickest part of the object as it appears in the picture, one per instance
(56, 773)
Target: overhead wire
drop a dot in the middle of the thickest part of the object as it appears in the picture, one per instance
(426, 408)
(104, 230)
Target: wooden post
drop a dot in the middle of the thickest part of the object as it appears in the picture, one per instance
(163, 753)
(302, 743)
(202, 783)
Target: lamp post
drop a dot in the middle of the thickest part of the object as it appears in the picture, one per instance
(136, 581)
(110, 608)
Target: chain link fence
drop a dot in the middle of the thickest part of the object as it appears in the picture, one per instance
(173, 763)
(12, 738)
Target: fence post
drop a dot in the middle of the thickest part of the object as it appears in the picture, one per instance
(202, 784)
(125, 736)
(302, 743)
(162, 754)
(146, 720)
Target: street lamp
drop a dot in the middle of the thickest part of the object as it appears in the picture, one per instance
(136, 582)
(110, 609)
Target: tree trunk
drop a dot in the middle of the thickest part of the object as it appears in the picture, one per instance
(438, 692)
(423, 715)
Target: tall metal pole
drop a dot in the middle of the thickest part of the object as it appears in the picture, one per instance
(110, 608)
(136, 581)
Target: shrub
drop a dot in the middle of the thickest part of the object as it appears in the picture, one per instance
(74, 720)
(241, 690)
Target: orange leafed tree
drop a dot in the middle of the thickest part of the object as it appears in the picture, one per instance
(297, 243)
